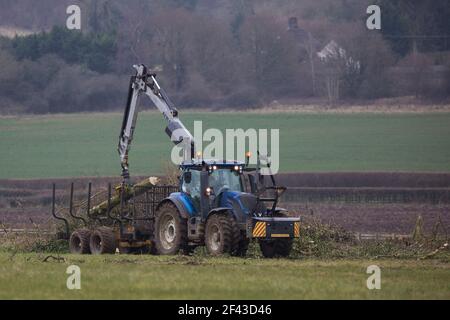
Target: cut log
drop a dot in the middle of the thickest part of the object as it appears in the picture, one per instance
(129, 192)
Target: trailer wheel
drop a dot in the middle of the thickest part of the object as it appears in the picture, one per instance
(275, 248)
(219, 234)
(170, 230)
(103, 241)
(79, 241)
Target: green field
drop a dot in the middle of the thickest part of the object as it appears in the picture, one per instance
(26, 276)
(85, 144)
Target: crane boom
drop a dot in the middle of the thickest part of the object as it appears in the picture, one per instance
(144, 82)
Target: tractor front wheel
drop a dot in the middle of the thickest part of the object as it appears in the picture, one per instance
(275, 248)
(242, 247)
(170, 230)
(219, 237)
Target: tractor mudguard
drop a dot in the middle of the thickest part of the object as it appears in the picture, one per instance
(233, 202)
(241, 225)
(183, 204)
(220, 210)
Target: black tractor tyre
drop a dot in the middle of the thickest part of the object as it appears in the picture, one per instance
(79, 241)
(240, 241)
(275, 248)
(242, 247)
(103, 241)
(170, 231)
(220, 237)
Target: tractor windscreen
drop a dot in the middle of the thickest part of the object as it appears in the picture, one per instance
(225, 178)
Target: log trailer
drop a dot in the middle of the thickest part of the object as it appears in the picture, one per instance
(219, 204)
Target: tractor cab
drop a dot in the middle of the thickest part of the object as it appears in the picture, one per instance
(212, 186)
(206, 182)
(216, 176)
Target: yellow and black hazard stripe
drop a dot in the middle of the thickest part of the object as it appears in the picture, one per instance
(296, 229)
(259, 231)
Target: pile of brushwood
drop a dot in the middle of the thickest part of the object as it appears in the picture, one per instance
(318, 241)
(327, 241)
(33, 241)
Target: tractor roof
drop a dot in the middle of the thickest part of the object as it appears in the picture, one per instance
(210, 162)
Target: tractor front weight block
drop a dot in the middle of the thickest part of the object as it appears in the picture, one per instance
(273, 227)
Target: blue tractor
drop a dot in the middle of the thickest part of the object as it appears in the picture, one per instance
(219, 204)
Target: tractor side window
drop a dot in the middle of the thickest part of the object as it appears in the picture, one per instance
(193, 187)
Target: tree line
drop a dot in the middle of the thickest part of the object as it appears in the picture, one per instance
(221, 54)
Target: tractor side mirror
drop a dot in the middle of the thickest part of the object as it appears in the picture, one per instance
(187, 176)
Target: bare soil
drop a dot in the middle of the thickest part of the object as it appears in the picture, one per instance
(27, 203)
(376, 218)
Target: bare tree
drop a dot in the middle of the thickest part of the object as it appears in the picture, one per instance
(269, 55)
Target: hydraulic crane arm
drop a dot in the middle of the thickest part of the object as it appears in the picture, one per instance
(145, 83)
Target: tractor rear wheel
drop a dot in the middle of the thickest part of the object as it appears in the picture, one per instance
(275, 248)
(170, 230)
(79, 241)
(220, 235)
(103, 241)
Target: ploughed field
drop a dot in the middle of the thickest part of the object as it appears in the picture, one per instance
(85, 144)
(359, 202)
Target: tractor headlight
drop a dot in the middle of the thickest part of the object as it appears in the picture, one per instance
(208, 191)
(211, 169)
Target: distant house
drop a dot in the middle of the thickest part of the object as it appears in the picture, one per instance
(332, 52)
